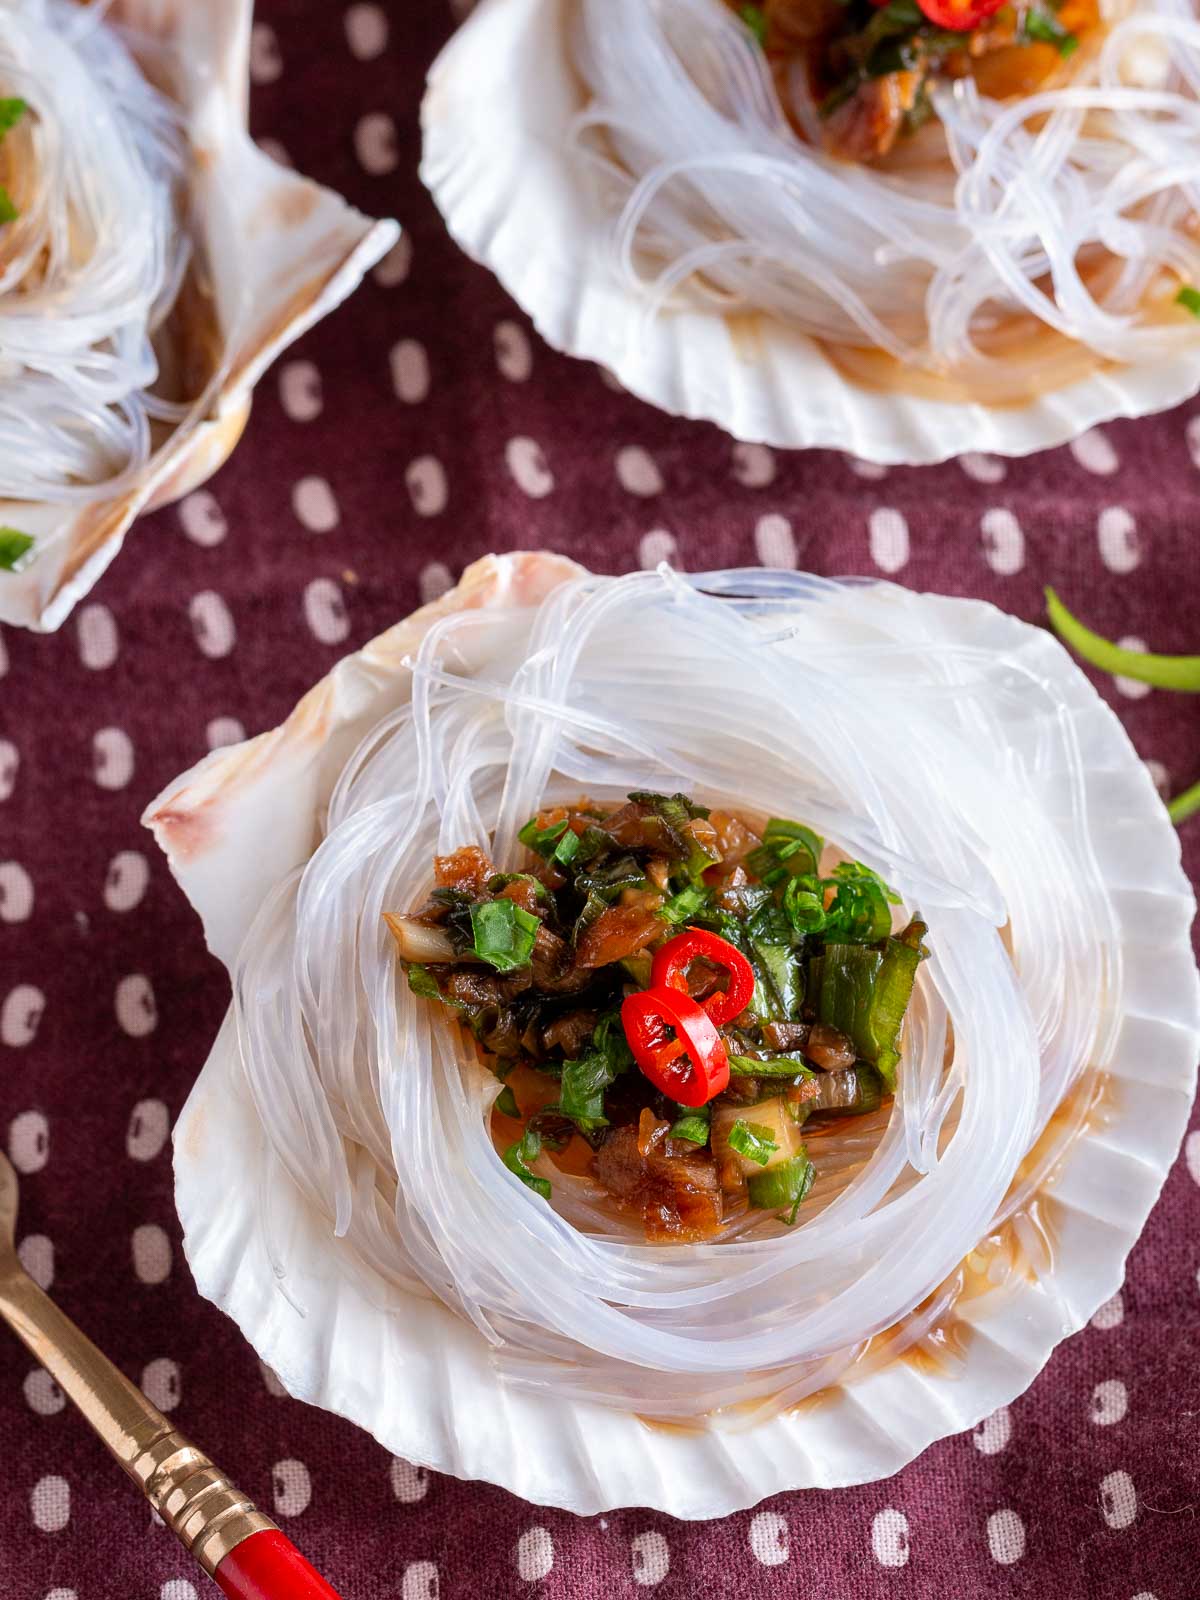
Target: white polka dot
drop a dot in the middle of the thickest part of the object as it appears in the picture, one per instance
(769, 1538)
(1094, 453)
(10, 760)
(983, 468)
(1111, 1314)
(375, 144)
(1131, 688)
(177, 1589)
(420, 1581)
(42, 1394)
(1006, 1537)
(889, 1538)
(135, 1005)
(655, 546)
(1110, 1402)
(151, 1253)
(535, 1554)
(314, 504)
(50, 1503)
(36, 1253)
(98, 643)
(1003, 541)
(637, 471)
(293, 1487)
(409, 1483)
(149, 1124)
(29, 1141)
(994, 1432)
(271, 1380)
(514, 355)
(529, 467)
(1117, 536)
(300, 390)
(224, 731)
(20, 1014)
(160, 1383)
(434, 580)
(366, 31)
(410, 371)
(212, 624)
(62, 1594)
(651, 1559)
(889, 539)
(266, 64)
(126, 879)
(325, 611)
(1193, 440)
(112, 758)
(393, 268)
(1144, 1594)
(871, 470)
(202, 518)
(753, 465)
(16, 892)
(425, 479)
(1118, 1499)
(276, 150)
(774, 541)
(1159, 776)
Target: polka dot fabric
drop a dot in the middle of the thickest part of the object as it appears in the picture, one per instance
(417, 428)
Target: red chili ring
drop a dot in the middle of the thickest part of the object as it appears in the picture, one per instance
(690, 1068)
(671, 961)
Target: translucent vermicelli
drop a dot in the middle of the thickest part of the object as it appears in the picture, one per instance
(864, 709)
(93, 261)
(1067, 213)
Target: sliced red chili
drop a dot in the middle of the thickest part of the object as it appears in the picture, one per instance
(671, 961)
(960, 16)
(690, 1068)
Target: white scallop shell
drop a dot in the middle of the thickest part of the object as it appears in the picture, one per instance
(421, 1382)
(498, 160)
(280, 252)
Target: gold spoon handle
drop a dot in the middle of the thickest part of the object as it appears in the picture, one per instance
(196, 1500)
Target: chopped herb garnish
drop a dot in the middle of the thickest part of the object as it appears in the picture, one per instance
(1189, 298)
(14, 545)
(752, 1140)
(518, 1157)
(694, 1124)
(755, 19)
(506, 1103)
(769, 1067)
(504, 935)
(542, 840)
(581, 1092)
(1047, 29)
(420, 982)
(12, 110)
(685, 905)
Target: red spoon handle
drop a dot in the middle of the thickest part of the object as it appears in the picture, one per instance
(267, 1566)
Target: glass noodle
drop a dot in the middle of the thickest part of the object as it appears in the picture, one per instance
(94, 260)
(1067, 212)
(866, 711)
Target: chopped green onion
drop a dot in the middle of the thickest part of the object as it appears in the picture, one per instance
(785, 1186)
(755, 19)
(769, 1067)
(11, 112)
(1185, 805)
(752, 1140)
(14, 545)
(518, 1156)
(1189, 298)
(784, 984)
(506, 1103)
(543, 841)
(689, 902)
(501, 880)
(581, 1092)
(504, 935)
(8, 211)
(1048, 30)
(567, 848)
(1164, 672)
(865, 993)
(420, 982)
(676, 809)
(859, 912)
(694, 1124)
